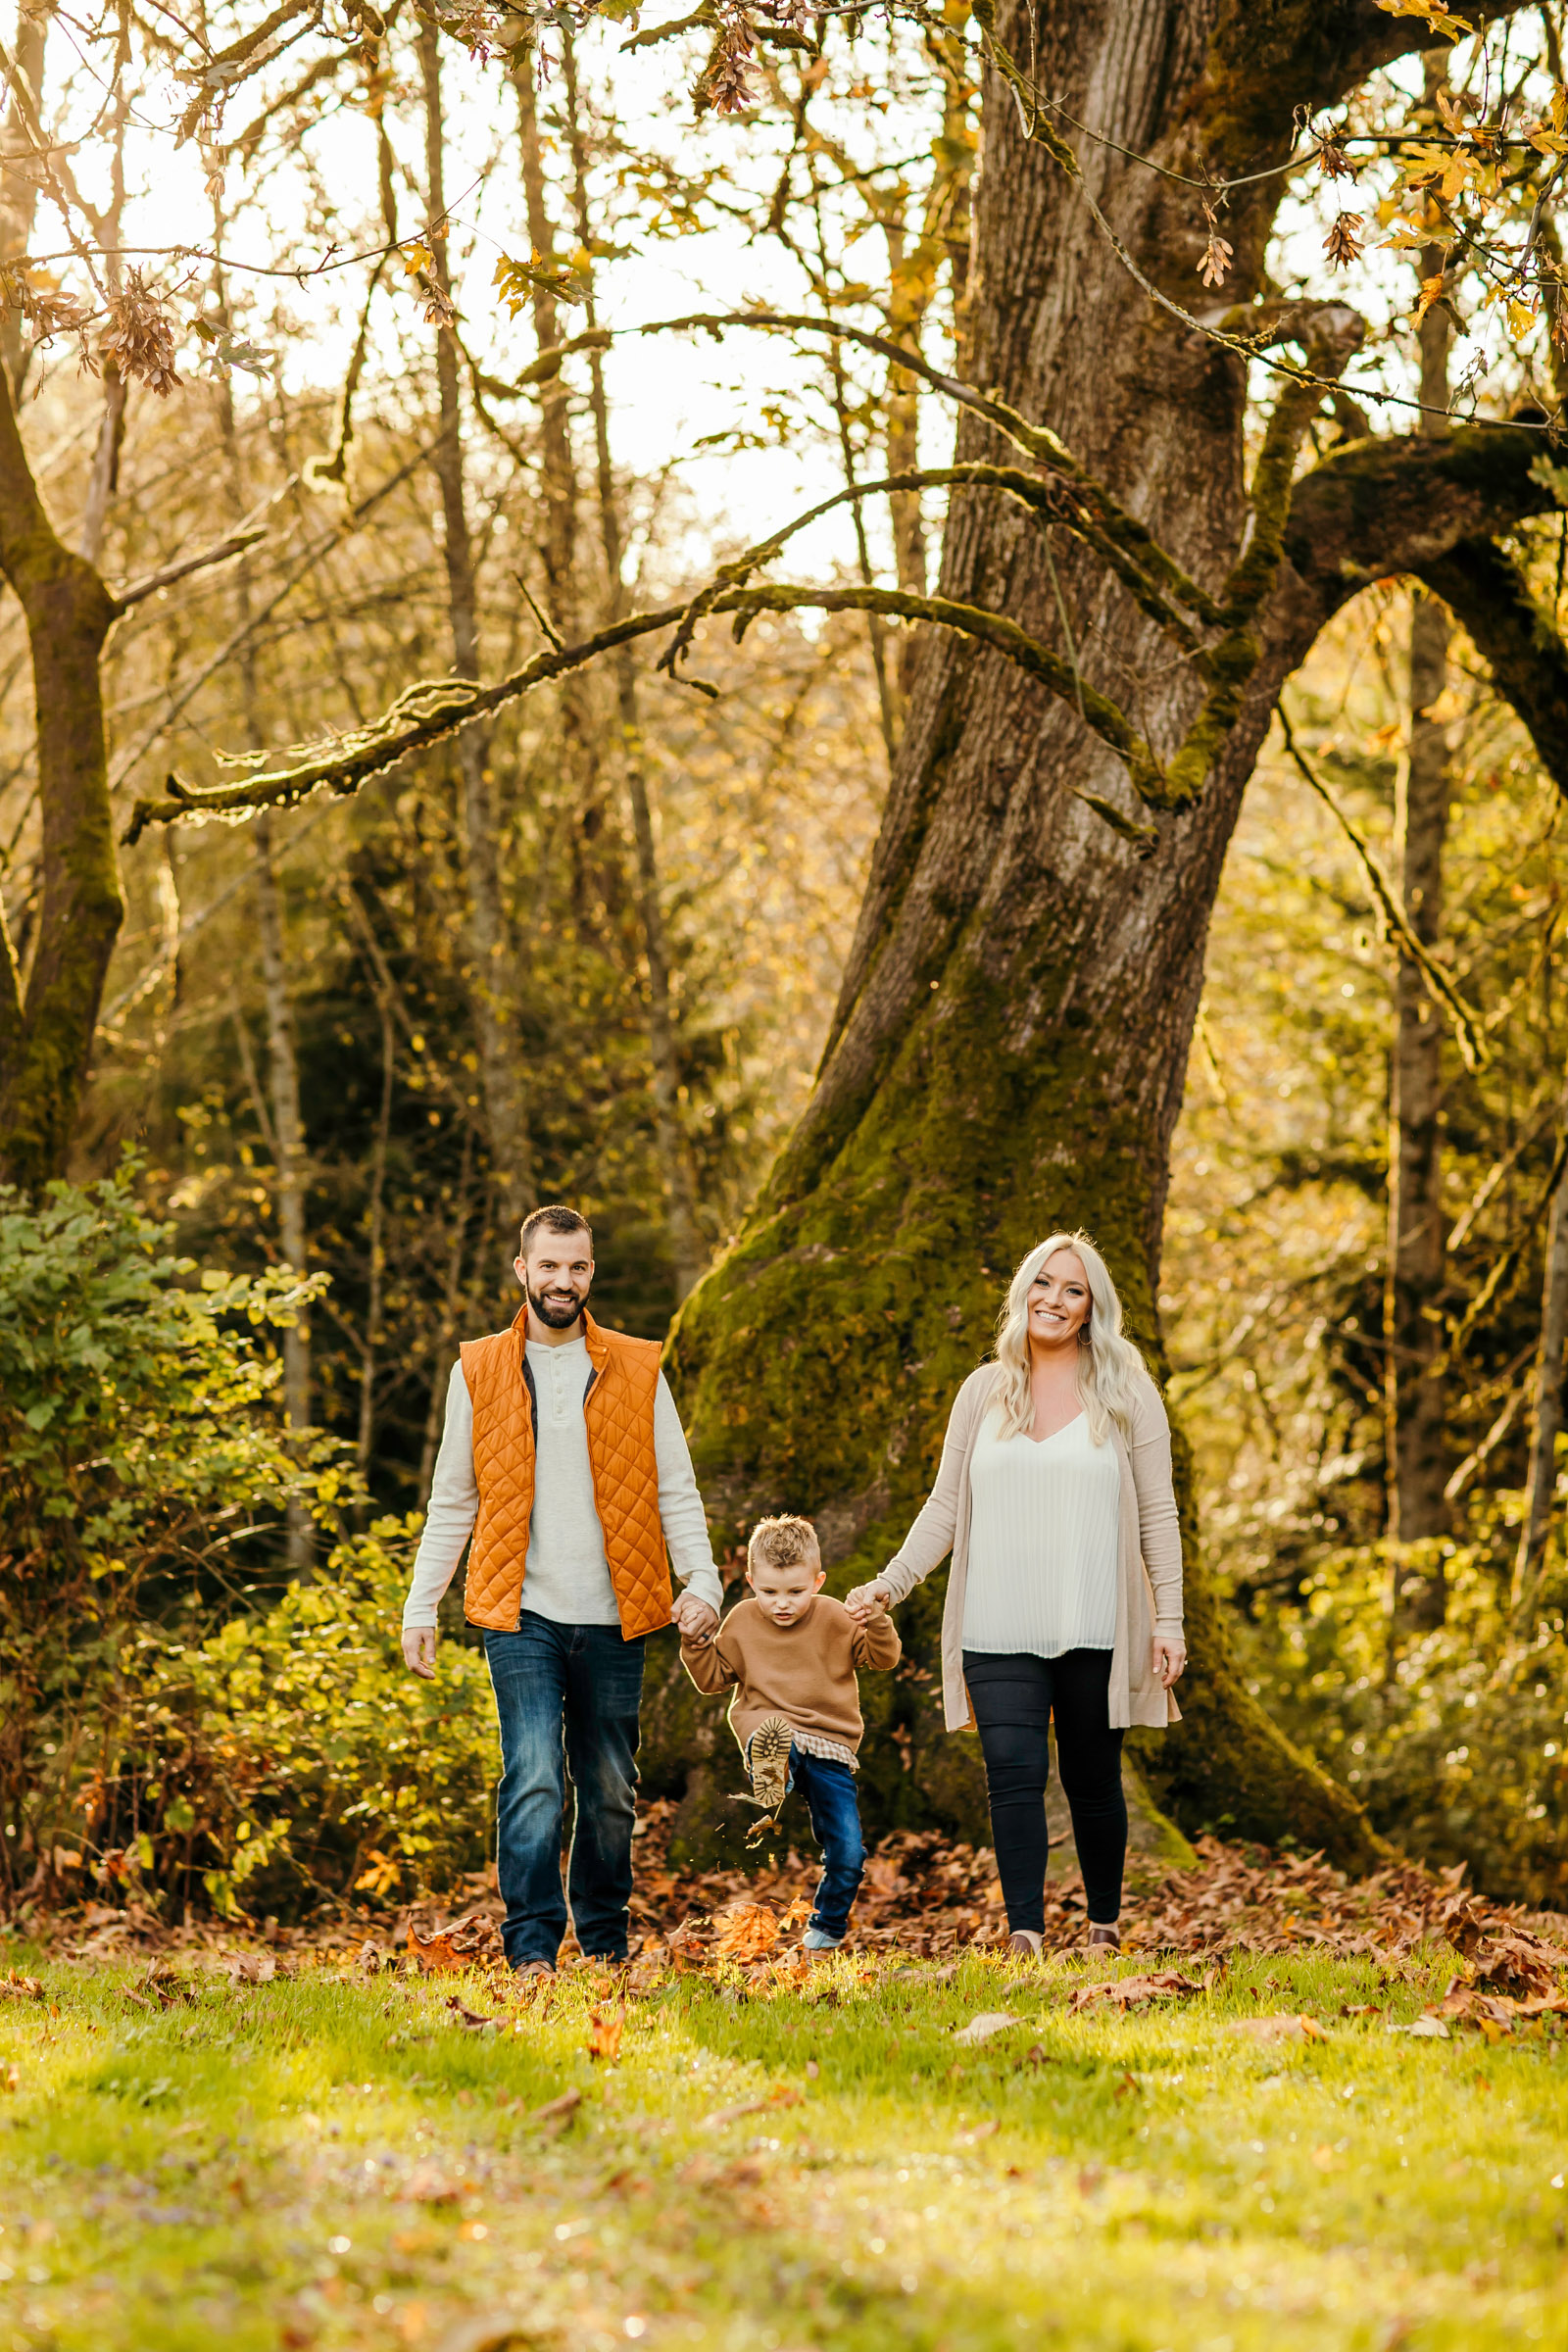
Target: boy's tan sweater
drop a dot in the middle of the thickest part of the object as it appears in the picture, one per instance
(804, 1672)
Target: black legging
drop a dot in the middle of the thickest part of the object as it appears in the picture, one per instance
(1014, 1696)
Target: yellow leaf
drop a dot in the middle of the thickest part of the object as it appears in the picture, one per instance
(1559, 108)
(1521, 319)
(1430, 288)
(1455, 174)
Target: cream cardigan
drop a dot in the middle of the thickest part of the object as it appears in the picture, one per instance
(1149, 1589)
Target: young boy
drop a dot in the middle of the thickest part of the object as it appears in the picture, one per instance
(791, 1655)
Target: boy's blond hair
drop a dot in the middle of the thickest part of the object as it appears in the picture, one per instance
(783, 1543)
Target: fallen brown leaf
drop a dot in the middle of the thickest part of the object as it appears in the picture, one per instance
(470, 2019)
(786, 2095)
(452, 1948)
(1518, 1964)
(250, 1967)
(982, 2028)
(604, 2029)
(1131, 1992)
(746, 1932)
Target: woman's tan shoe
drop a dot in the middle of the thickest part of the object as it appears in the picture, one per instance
(1024, 1944)
(1109, 1936)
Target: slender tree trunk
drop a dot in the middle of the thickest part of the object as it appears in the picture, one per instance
(104, 479)
(596, 880)
(376, 1241)
(18, 186)
(913, 270)
(685, 1233)
(46, 1033)
(492, 965)
(1546, 1418)
(290, 1158)
(1418, 1467)
(557, 546)
(1009, 1047)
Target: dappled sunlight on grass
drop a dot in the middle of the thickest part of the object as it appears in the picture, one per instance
(340, 2160)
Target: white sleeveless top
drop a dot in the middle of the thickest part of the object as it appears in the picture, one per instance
(1042, 1542)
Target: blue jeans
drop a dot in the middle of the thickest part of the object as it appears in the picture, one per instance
(568, 1696)
(828, 1787)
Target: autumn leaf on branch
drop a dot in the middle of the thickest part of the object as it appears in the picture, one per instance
(1342, 242)
(723, 86)
(517, 279)
(420, 262)
(1217, 253)
(1431, 291)
(1434, 12)
(45, 307)
(141, 339)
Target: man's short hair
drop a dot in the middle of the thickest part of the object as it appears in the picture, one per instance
(783, 1543)
(556, 1219)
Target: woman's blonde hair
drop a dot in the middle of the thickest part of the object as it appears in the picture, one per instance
(1108, 1365)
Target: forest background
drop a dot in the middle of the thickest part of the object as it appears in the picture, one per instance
(320, 338)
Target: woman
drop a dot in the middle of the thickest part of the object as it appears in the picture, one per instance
(1055, 1498)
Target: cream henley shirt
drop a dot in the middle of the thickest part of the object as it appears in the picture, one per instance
(565, 1576)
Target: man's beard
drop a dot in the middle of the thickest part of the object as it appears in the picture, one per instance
(556, 1313)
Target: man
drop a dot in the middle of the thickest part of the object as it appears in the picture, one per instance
(564, 1458)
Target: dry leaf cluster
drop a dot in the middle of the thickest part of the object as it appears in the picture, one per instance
(140, 335)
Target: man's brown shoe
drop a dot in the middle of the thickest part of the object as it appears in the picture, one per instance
(1109, 1936)
(1024, 1944)
(534, 1968)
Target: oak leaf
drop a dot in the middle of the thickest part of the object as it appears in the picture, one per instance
(604, 2029)
(449, 1948)
(746, 1932)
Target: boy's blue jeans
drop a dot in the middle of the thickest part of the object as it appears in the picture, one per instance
(569, 1699)
(828, 1787)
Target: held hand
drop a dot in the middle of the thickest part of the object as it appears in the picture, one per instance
(693, 1620)
(867, 1601)
(419, 1650)
(1170, 1657)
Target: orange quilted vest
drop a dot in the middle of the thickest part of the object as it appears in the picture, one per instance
(620, 1413)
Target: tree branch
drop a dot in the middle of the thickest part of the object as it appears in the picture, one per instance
(1489, 595)
(433, 708)
(149, 585)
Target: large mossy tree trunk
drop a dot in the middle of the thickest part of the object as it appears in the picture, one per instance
(1009, 1048)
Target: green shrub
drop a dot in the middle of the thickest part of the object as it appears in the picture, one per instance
(1461, 1753)
(140, 1461)
(166, 1730)
(291, 1756)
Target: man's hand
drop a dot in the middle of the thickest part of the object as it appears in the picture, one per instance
(867, 1601)
(693, 1619)
(419, 1650)
(1170, 1657)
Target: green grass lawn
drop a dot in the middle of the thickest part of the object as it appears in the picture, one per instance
(336, 2160)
